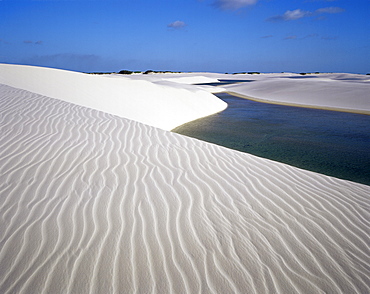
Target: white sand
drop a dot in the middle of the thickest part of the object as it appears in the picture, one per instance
(95, 203)
(344, 92)
(161, 105)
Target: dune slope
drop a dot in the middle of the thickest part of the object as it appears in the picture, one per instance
(163, 106)
(95, 203)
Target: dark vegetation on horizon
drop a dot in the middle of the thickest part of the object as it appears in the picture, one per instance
(249, 73)
(149, 71)
(129, 72)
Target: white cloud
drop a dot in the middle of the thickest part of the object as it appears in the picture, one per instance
(290, 15)
(233, 4)
(178, 24)
(295, 37)
(295, 14)
(290, 38)
(298, 13)
(330, 10)
(32, 42)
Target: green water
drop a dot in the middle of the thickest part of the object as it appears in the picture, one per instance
(328, 142)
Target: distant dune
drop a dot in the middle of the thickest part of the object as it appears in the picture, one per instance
(343, 92)
(337, 91)
(92, 200)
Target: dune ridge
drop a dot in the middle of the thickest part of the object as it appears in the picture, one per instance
(95, 203)
(165, 105)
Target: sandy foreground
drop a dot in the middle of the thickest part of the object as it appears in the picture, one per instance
(93, 202)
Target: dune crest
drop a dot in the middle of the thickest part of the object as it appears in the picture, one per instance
(165, 106)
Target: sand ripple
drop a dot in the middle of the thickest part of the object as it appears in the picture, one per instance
(94, 203)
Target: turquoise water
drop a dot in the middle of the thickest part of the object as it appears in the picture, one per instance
(328, 142)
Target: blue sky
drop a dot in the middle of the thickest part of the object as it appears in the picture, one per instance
(188, 35)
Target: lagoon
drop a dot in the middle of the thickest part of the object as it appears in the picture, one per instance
(328, 142)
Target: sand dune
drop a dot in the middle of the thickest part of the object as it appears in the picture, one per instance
(335, 91)
(96, 203)
(161, 105)
(339, 91)
(343, 92)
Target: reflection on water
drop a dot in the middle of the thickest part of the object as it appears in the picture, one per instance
(328, 142)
